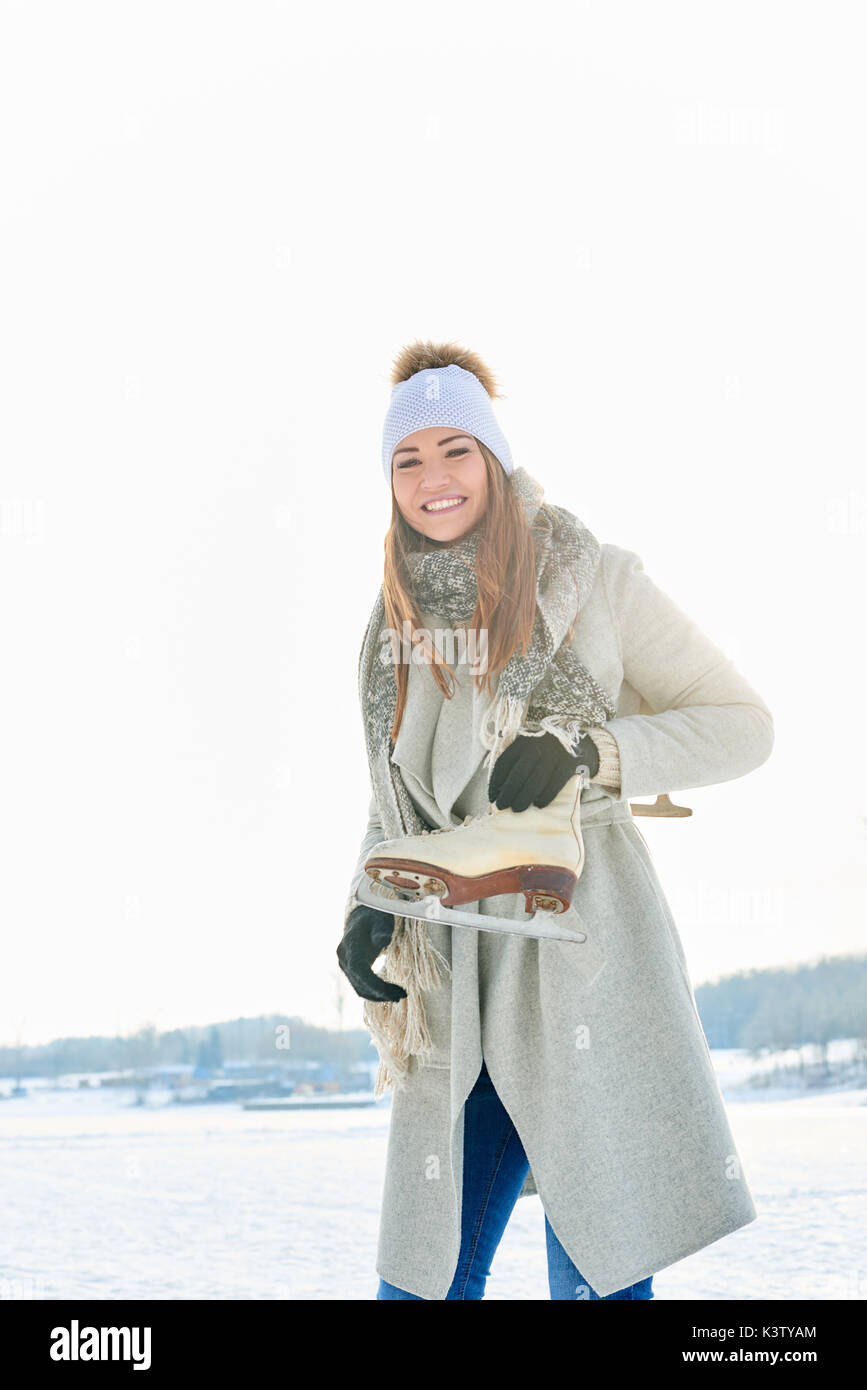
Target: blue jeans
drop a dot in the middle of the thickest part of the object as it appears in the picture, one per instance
(495, 1167)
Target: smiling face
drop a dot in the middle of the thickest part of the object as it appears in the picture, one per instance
(440, 482)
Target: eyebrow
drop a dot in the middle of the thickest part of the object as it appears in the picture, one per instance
(413, 448)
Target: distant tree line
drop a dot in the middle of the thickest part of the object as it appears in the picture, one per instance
(755, 1009)
(787, 1008)
(238, 1040)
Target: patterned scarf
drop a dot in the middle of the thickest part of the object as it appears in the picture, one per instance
(546, 690)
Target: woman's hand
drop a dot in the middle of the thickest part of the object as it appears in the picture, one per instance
(533, 770)
(367, 934)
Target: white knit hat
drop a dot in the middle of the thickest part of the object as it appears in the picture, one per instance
(442, 396)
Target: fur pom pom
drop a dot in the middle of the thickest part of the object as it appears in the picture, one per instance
(419, 356)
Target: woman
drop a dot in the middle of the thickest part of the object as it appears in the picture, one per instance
(576, 1071)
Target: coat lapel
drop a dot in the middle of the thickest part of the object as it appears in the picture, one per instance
(439, 742)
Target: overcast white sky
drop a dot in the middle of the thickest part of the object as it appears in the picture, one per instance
(219, 224)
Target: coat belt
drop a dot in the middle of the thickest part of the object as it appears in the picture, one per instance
(597, 813)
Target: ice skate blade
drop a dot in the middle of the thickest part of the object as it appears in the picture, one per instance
(542, 926)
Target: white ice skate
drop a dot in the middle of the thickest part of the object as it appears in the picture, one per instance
(538, 852)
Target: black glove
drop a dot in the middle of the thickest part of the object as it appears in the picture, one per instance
(368, 932)
(534, 770)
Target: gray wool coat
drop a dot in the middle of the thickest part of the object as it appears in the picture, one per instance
(595, 1049)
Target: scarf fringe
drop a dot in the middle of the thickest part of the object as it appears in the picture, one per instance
(501, 724)
(504, 722)
(400, 1030)
(568, 730)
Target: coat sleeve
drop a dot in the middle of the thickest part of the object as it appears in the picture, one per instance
(709, 725)
(372, 836)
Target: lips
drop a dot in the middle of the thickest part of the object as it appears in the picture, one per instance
(433, 508)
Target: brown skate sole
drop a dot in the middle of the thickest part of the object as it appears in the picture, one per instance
(545, 887)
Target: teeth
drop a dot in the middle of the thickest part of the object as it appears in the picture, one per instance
(446, 502)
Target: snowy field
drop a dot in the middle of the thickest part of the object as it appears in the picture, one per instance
(104, 1199)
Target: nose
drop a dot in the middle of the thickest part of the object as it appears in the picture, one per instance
(435, 473)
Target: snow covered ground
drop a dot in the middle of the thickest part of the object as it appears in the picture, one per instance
(104, 1199)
